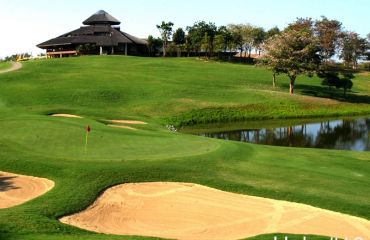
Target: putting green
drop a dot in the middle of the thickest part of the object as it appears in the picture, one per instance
(65, 138)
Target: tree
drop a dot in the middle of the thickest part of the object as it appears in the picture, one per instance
(150, 44)
(302, 24)
(353, 48)
(328, 33)
(236, 37)
(338, 80)
(166, 32)
(273, 65)
(368, 48)
(223, 40)
(259, 36)
(275, 71)
(293, 52)
(179, 40)
(154, 45)
(272, 32)
(206, 44)
(248, 38)
(201, 37)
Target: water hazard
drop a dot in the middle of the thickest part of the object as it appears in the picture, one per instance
(344, 134)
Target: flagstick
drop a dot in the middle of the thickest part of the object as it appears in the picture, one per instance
(87, 135)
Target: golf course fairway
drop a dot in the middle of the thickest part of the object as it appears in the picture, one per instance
(166, 93)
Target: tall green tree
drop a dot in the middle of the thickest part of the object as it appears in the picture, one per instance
(293, 52)
(154, 45)
(353, 48)
(150, 44)
(275, 70)
(368, 49)
(201, 37)
(223, 40)
(236, 36)
(248, 38)
(259, 36)
(206, 44)
(179, 40)
(166, 32)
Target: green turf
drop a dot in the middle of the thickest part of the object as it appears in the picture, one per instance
(161, 91)
(5, 65)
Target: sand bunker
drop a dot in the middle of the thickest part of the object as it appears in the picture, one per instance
(121, 126)
(189, 211)
(66, 115)
(17, 189)
(128, 122)
(116, 124)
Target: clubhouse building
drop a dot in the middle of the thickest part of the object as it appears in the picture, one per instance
(100, 35)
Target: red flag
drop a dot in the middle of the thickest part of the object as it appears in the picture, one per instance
(88, 129)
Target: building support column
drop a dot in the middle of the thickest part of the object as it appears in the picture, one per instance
(112, 50)
(101, 50)
(126, 49)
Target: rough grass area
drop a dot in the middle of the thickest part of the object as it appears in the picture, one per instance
(161, 91)
(5, 65)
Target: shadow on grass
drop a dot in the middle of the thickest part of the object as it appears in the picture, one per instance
(6, 183)
(332, 93)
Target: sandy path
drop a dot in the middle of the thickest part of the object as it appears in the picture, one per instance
(66, 115)
(15, 66)
(189, 211)
(16, 189)
(128, 122)
(121, 126)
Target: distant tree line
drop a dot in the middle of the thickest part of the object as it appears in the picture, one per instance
(305, 46)
(208, 40)
(15, 56)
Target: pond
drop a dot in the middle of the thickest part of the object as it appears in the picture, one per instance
(343, 134)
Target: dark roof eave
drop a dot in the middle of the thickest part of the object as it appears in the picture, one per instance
(52, 45)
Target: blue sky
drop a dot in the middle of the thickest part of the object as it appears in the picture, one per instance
(25, 23)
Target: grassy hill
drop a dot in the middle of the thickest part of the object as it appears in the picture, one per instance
(164, 91)
(4, 65)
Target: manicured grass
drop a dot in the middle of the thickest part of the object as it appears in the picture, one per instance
(161, 91)
(5, 65)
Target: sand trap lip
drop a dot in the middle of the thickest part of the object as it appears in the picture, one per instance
(128, 122)
(17, 189)
(190, 211)
(121, 126)
(65, 115)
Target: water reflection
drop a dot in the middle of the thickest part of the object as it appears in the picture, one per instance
(339, 134)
